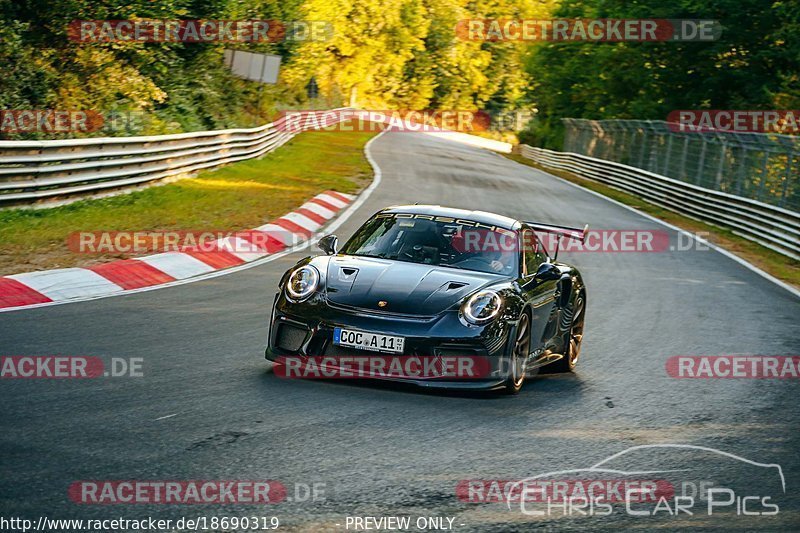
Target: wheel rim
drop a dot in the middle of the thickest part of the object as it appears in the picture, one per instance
(576, 333)
(521, 350)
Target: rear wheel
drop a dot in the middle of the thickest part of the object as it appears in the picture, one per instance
(519, 355)
(573, 339)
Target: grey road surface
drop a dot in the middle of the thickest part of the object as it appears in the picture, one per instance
(378, 450)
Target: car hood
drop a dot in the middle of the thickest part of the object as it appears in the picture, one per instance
(407, 288)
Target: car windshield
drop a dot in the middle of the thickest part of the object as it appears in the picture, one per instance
(442, 241)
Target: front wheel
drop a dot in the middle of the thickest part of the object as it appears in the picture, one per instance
(573, 339)
(519, 355)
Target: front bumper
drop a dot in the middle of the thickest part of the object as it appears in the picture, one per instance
(306, 330)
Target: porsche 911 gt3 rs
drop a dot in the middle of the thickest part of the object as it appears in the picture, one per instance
(431, 282)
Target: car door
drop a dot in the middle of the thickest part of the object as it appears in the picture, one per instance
(539, 293)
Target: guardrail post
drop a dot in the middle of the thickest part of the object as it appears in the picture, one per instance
(666, 158)
(644, 147)
(634, 137)
(764, 175)
(740, 173)
(788, 177)
(683, 157)
(701, 164)
(723, 149)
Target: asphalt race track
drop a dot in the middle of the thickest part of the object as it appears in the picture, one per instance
(386, 450)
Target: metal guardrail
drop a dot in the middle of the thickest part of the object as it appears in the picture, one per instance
(39, 172)
(773, 227)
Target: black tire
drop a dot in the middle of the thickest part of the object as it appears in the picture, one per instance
(572, 339)
(519, 355)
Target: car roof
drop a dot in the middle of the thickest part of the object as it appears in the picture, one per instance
(483, 217)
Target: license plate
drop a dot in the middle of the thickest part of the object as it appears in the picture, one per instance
(362, 340)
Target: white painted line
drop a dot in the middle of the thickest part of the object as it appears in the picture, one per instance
(682, 231)
(65, 283)
(341, 219)
(177, 265)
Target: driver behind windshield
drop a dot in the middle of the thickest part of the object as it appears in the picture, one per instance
(504, 262)
(430, 242)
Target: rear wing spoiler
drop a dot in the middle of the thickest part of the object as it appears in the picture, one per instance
(561, 231)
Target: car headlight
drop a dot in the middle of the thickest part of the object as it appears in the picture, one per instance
(482, 307)
(302, 282)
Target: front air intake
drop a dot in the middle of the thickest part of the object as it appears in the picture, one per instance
(290, 338)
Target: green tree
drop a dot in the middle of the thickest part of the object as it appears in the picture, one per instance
(754, 65)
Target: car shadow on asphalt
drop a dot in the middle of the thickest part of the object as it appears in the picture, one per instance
(550, 384)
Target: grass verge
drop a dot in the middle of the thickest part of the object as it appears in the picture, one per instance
(778, 265)
(235, 197)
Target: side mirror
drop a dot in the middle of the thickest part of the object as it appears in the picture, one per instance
(547, 272)
(328, 244)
